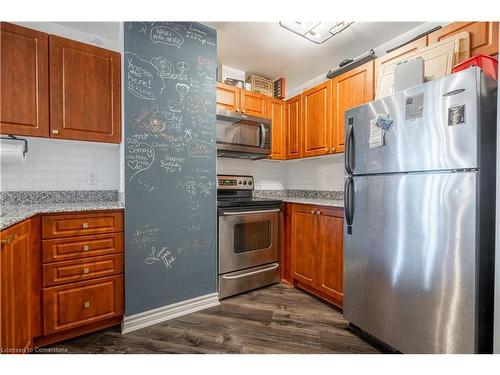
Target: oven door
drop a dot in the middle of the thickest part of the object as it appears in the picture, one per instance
(248, 238)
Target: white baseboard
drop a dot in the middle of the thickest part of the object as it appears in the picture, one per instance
(161, 314)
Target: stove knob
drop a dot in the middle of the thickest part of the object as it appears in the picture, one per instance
(250, 182)
(244, 182)
(239, 182)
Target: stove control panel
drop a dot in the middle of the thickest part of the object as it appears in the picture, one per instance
(225, 182)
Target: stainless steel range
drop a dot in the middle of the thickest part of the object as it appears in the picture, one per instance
(249, 236)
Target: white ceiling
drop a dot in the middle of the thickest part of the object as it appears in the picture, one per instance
(268, 49)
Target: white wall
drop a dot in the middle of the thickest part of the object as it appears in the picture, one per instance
(52, 164)
(65, 165)
(321, 173)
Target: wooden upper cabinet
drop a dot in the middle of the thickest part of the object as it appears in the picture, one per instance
(317, 120)
(331, 254)
(293, 127)
(397, 55)
(276, 111)
(253, 103)
(228, 97)
(483, 36)
(349, 90)
(304, 244)
(24, 81)
(15, 292)
(85, 92)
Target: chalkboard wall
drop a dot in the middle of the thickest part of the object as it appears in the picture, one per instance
(170, 156)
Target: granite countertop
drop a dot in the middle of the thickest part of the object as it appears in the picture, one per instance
(18, 206)
(15, 213)
(317, 197)
(316, 201)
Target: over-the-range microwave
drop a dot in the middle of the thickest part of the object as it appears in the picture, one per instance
(242, 136)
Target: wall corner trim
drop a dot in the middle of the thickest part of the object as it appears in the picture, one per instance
(161, 314)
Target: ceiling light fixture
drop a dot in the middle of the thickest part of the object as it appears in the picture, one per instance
(317, 32)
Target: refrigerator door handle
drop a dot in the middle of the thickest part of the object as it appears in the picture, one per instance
(348, 202)
(348, 149)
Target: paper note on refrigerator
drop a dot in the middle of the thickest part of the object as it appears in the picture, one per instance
(376, 135)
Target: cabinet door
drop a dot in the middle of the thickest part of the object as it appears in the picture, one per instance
(317, 120)
(253, 103)
(350, 90)
(228, 97)
(483, 36)
(84, 92)
(304, 244)
(396, 55)
(15, 316)
(331, 254)
(293, 128)
(276, 110)
(24, 81)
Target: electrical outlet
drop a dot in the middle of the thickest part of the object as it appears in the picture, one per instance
(92, 179)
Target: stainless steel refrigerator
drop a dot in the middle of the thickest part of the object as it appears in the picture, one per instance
(419, 216)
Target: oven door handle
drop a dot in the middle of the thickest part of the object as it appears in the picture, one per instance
(229, 213)
(273, 267)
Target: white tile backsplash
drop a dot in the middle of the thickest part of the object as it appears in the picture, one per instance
(62, 165)
(321, 173)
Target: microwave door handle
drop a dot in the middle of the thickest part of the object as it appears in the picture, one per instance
(262, 136)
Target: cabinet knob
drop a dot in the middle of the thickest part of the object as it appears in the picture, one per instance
(55, 131)
(312, 211)
(85, 225)
(86, 247)
(318, 212)
(86, 270)
(86, 304)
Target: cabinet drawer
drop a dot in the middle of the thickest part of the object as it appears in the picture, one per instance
(54, 226)
(84, 246)
(86, 302)
(81, 269)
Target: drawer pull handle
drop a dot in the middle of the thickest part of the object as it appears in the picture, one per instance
(86, 247)
(85, 225)
(86, 304)
(55, 131)
(86, 270)
(8, 239)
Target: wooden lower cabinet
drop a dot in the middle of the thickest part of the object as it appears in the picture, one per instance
(76, 304)
(15, 313)
(304, 244)
(53, 289)
(315, 245)
(331, 254)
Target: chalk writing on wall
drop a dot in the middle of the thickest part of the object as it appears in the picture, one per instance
(169, 156)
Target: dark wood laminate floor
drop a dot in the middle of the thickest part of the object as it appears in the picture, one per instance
(276, 319)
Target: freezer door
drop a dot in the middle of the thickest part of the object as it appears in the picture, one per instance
(435, 127)
(409, 269)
